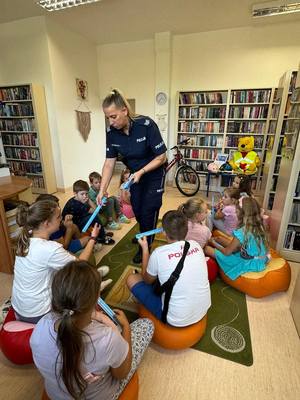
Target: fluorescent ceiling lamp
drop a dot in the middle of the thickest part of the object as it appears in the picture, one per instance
(275, 8)
(55, 5)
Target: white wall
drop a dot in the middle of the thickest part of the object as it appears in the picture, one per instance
(25, 59)
(234, 58)
(131, 68)
(72, 56)
(243, 57)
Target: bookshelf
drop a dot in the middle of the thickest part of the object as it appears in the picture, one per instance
(285, 215)
(275, 136)
(25, 135)
(214, 121)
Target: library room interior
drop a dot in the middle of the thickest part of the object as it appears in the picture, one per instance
(150, 199)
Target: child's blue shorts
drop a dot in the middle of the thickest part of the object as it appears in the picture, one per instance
(145, 295)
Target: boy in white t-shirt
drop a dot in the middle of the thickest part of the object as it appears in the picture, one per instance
(190, 298)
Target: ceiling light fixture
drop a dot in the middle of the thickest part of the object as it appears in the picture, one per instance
(275, 8)
(56, 5)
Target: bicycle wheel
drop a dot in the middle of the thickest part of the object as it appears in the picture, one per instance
(187, 180)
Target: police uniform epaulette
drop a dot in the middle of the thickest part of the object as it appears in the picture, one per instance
(141, 120)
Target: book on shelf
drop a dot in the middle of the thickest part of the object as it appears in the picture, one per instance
(295, 213)
(202, 140)
(201, 127)
(15, 93)
(20, 139)
(23, 124)
(248, 111)
(16, 110)
(22, 154)
(202, 98)
(246, 127)
(250, 96)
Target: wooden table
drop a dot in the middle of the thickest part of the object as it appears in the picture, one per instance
(10, 187)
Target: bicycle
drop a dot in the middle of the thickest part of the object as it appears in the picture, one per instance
(186, 178)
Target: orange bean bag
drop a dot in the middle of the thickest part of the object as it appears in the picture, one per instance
(275, 278)
(170, 337)
(131, 391)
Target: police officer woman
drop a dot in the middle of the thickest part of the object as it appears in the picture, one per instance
(138, 140)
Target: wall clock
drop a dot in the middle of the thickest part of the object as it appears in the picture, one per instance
(161, 98)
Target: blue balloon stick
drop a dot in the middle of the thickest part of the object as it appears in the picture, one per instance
(149, 233)
(93, 216)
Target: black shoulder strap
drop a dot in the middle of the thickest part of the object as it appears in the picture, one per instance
(167, 287)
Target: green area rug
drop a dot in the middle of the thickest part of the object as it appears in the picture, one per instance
(227, 334)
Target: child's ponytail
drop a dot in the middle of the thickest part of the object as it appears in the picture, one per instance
(29, 219)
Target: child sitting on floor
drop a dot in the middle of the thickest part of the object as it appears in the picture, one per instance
(125, 203)
(243, 184)
(37, 258)
(81, 208)
(112, 206)
(196, 212)
(247, 251)
(68, 233)
(225, 217)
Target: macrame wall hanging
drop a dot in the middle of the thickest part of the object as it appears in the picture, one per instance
(83, 117)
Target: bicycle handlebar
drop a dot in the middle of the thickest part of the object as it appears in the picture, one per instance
(183, 142)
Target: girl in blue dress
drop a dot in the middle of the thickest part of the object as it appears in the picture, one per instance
(247, 250)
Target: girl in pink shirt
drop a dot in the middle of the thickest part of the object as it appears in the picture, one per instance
(196, 212)
(225, 217)
(125, 203)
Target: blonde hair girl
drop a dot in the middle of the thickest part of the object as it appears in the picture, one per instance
(196, 212)
(247, 251)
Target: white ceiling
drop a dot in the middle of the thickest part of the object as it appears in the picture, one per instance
(113, 21)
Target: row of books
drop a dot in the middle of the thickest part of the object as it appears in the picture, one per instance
(272, 127)
(295, 111)
(202, 112)
(199, 166)
(25, 125)
(292, 239)
(203, 98)
(292, 126)
(248, 112)
(203, 154)
(22, 154)
(293, 81)
(296, 95)
(232, 141)
(22, 139)
(295, 213)
(250, 96)
(197, 126)
(15, 93)
(16, 110)
(208, 140)
(246, 127)
(275, 112)
(18, 167)
(274, 183)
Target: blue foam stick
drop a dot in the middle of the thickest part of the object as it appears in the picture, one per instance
(126, 185)
(149, 233)
(93, 216)
(212, 205)
(112, 315)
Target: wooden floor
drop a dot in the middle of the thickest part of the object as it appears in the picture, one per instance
(190, 374)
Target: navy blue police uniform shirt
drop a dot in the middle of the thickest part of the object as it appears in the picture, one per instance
(141, 146)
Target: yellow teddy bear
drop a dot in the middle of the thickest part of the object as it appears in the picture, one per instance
(245, 160)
